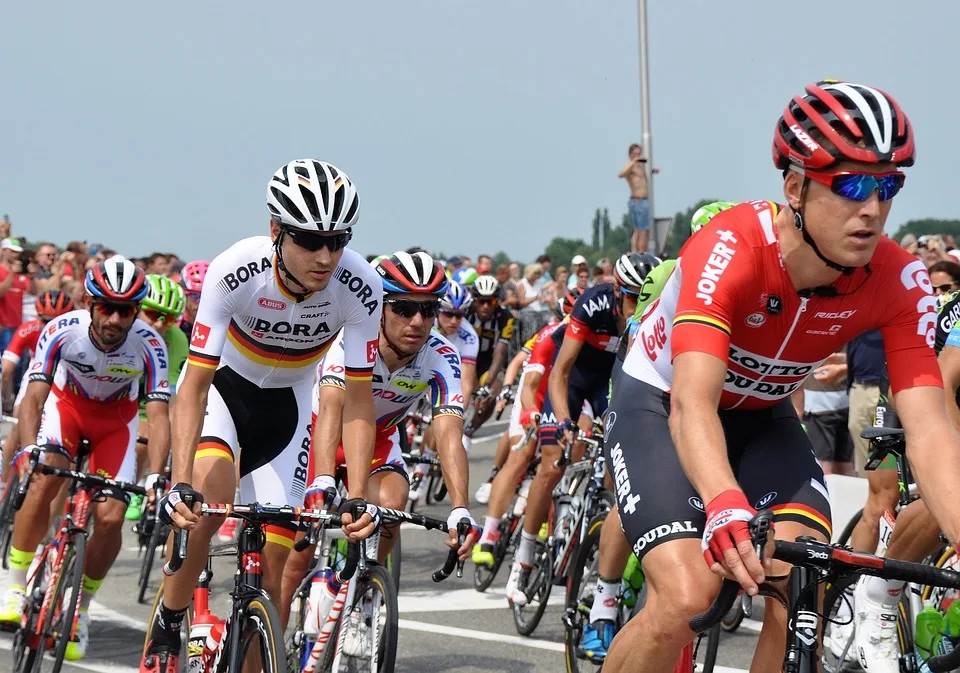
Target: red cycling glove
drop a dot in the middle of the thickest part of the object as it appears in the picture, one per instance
(727, 517)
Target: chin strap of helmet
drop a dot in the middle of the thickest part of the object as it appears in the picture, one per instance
(277, 247)
(799, 224)
(399, 353)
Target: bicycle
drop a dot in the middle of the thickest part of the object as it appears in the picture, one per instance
(53, 590)
(11, 479)
(812, 564)
(435, 489)
(334, 609)
(578, 497)
(151, 533)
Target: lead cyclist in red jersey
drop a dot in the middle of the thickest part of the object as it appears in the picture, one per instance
(757, 299)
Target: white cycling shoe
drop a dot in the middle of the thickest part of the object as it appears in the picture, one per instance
(876, 633)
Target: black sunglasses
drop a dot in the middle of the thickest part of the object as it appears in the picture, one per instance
(313, 242)
(406, 308)
(106, 308)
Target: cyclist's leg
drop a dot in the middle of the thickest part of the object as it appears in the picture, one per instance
(881, 497)
(388, 487)
(501, 493)
(510, 436)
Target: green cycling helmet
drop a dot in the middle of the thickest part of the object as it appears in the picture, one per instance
(706, 213)
(164, 296)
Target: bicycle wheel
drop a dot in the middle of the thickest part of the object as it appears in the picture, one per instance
(367, 640)
(26, 641)
(6, 518)
(394, 560)
(184, 629)
(149, 553)
(731, 621)
(848, 529)
(839, 649)
(579, 599)
(61, 617)
(526, 618)
(260, 628)
(439, 486)
(483, 576)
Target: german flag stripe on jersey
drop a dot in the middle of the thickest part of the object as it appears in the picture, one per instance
(213, 447)
(354, 374)
(804, 514)
(280, 535)
(274, 356)
(202, 360)
(701, 320)
(277, 274)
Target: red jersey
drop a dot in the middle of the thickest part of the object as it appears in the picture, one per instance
(541, 358)
(11, 303)
(24, 341)
(731, 297)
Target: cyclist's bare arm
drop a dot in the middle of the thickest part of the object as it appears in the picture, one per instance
(497, 361)
(187, 422)
(468, 379)
(447, 430)
(933, 446)
(358, 434)
(949, 362)
(513, 369)
(31, 408)
(158, 441)
(326, 431)
(560, 378)
(6, 387)
(695, 423)
(528, 394)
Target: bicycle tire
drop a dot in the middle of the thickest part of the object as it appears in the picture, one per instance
(483, 576)
(375, 576)
(441, 486)
(732, 620)
(848, 529)
(589, 551)
(6, 519)
(710, 654)
(543, 557)
(146, 565)
(64, 609)
(395, 560)
(23, 653)
(260, 618)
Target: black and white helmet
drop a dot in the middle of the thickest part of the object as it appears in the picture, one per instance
(312, 195)
(632, 268)
(486, 286)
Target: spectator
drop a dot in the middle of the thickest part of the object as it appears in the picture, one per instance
(824, 408)
(933, 249)
(139, 262)
(515, 272)
(5, 226)
(865, 360)
(545, 264)
(76, 262)
(945, 277)
(562, 280)
(578, 263)
(13, 283)
(606, 265)
(636, 176)
(29, 310)
(76, 291)
(157, 263)
(484, 265)
(527, 293)
(598, 275)
(45, 257)
(583, 278)
(453, 264)
(502, 274)
(910, 244)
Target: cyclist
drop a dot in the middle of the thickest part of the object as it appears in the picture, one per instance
(759, 297)
(191, 278)
(494, 326)
(412, 362)
(450, 324)
(161, 309)
(84, 379)
(50, 304)
(586, 350)
(272, 308)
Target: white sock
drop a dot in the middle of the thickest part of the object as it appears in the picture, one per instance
(490, 526)
(605, 601)
(885, 592)
(524, 553)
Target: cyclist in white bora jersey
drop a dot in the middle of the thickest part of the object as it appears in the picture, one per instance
(269, 310)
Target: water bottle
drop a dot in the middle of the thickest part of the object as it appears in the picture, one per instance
(632, 582)
(212, 645)
(323, 592)
(950, 627)
(928, 631)
(563, 516)
(326, 631)
(521, 505)
(200, 631)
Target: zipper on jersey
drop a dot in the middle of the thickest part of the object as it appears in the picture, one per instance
(804, 298)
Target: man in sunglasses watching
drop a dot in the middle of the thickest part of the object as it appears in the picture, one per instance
(412, 363)
(758, 299)
(494, 325)
(84, 385)
(272, 308)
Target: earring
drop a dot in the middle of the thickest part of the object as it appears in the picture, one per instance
(798, 220)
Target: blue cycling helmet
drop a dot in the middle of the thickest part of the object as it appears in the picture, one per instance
(456, 299)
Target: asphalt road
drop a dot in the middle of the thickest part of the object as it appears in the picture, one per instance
(448, 627)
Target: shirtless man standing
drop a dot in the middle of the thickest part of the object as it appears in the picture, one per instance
(636, 176)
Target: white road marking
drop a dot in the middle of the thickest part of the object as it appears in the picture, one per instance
(83, 665)
(101, 613)
(479, 635)
(751, 625)
(459, 600)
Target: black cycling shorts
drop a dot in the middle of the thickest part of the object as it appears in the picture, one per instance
(770, 454)
(549, 424)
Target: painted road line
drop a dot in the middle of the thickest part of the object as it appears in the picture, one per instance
(106, 667)
(101, 613)
(460, 600)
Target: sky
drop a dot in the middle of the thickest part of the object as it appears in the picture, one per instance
(467, 127)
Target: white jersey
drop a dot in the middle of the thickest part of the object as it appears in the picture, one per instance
(465, 341)
(68, 359)
(434, 372)
(250, 322)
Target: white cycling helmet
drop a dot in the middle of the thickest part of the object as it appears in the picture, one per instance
(486, 286)
(632, 268)
(312, 195)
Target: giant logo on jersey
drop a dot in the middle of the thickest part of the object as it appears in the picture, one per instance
(914, 275)
(715, 265)
(357, 285)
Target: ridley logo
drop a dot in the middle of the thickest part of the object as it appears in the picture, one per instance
(273, 304)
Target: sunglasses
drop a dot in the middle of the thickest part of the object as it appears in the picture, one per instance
(859, 186)
(107, 309)
(313, 242)
(155, 316)
(453, 314)
(406, 308)
(485, 302)
(949, 287)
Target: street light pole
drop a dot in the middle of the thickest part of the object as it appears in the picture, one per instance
(645, 113)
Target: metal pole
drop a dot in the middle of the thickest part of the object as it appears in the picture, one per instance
(645, 112)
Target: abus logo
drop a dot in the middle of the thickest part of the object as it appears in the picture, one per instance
(802, 136)
(842, 315)
(274, 304)
(715, 265)
(914, 275)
